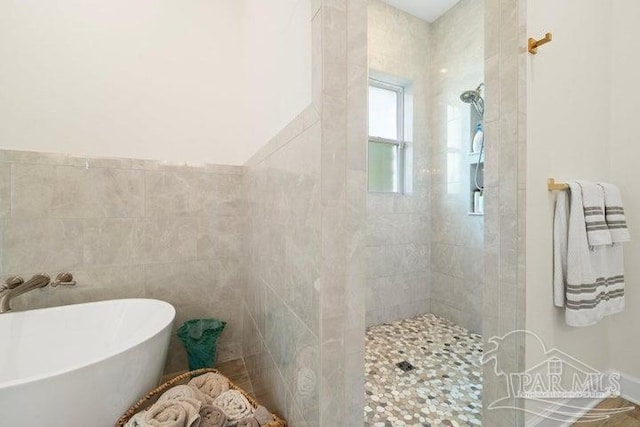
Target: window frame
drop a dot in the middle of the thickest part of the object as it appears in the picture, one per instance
(400, 142)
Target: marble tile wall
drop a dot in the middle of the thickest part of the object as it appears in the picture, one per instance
(304, 301)
(282, 297)
(457, 264)
(505, 185)
(128, 228)
(398, 225)
(424, 252)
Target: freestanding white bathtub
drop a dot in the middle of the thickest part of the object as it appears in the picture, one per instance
(80, 365)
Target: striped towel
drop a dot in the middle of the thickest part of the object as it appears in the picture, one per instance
(588, 282)
(593, 203)
(588, 303)
(614, 214)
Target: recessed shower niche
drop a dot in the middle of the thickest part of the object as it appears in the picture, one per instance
(475, 145)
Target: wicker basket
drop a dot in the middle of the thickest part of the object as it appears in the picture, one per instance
(154, 394)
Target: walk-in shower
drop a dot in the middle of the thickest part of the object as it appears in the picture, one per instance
(425, 246)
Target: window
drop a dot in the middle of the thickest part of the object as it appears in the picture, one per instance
(386, 137)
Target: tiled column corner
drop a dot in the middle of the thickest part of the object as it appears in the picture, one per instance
(505, 61)
(333, 195)
(343, 104)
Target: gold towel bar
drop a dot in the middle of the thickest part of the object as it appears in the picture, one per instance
(553, 186)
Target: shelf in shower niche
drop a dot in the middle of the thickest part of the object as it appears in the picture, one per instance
(474, 158)
(475, 213)
(476, 169)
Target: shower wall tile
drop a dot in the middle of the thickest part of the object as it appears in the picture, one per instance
(128, 228)
(392, 229)
(398, 226)
(443, 59)
(396, 293)
(448, 269)
(408, 309)
(396, 260)
(456, 237)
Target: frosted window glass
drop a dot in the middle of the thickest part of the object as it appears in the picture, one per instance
(382, 167)
(383, 113)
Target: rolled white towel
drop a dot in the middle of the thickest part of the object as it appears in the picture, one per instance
(262, 415)
(248, 422)
(211, 385)
(180, 391)
(212, 416)
(234, 405)
(137, 420)
(179, 412)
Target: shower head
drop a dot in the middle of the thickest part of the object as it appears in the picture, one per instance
(469, 96)
(474, 98)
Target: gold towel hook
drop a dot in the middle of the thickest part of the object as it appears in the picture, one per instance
(534, 44)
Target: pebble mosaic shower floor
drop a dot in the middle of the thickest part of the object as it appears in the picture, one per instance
(442, 389)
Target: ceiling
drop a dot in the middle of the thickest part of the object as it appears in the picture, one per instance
(427, 10)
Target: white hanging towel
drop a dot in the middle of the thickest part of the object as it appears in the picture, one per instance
(560, 240)
(593, 203)
(588, 281)
(572, 262)
(614, 214)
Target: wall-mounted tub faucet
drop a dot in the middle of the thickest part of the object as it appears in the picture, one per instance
(17, 286)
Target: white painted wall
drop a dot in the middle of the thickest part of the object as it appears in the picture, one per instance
(567, 137)
(624, 331)
(582, 101)
(163, 80)
(278, 58)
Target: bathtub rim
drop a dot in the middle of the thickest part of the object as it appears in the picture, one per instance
(5, 385)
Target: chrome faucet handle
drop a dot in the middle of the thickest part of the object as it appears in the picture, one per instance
(65, 278)
(14, 282)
